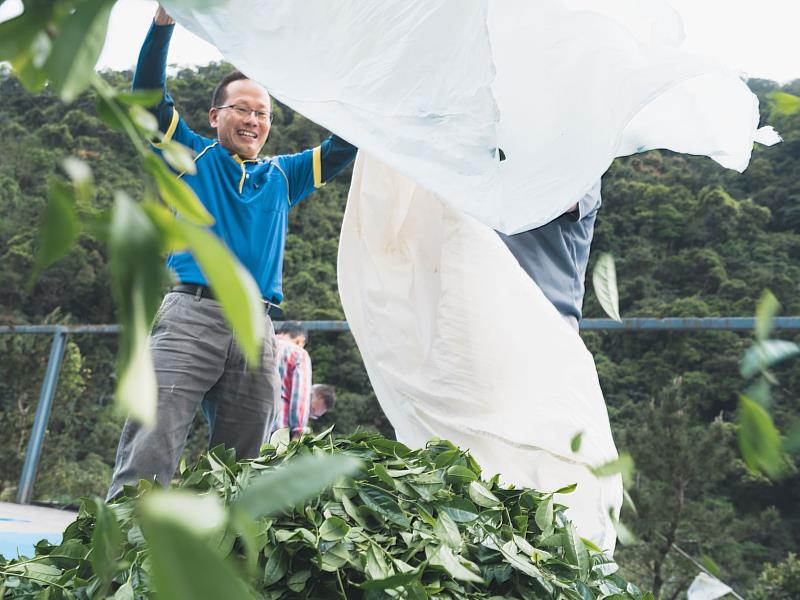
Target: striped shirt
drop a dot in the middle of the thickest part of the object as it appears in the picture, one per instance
(294, 370)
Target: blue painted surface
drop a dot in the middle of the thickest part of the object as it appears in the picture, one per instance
(13, 544)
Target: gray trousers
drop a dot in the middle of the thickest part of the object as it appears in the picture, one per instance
(198, 363)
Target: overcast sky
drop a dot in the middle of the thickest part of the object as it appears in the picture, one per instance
(759, 38)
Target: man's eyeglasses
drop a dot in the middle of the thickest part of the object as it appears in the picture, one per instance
(244, 112)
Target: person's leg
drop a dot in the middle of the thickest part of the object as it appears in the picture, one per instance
(240, 407)
(189, 344)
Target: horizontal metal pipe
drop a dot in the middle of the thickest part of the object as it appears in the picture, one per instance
(630, 324)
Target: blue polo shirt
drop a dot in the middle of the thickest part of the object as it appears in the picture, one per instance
(248, 198)
(556, 255)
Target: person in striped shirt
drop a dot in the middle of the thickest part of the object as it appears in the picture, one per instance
(294, 371)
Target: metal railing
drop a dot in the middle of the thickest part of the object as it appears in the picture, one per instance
(61, 332)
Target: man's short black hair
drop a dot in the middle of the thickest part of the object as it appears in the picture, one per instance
(326, 392)
(294, 329)
(221, 91)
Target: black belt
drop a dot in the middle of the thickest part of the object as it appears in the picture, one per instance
(203, 291)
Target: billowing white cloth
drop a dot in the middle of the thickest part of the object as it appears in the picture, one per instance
(461, 344)
(458, 342)
(706, 587)
(413, 82)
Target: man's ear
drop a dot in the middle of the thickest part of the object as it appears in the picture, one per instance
(213, 117)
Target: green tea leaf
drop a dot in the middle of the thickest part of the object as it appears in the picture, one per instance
(604, 280)
(459, 474)
(172, 238)
(509, 552)
(333, 529)
(144, 120)
(124, 592)
(115, 119)
(759, 440)
(460, 510)
(760, 391)
(567, 489)
(447, 531)
(336, 557)
(625, 536)
(277, 567)
(199, 515)
(622, 466)
(248, 531)
(447, 458)
(176, 193)
(178, 156)
(481, 496)
(137, 390)
(391, 582)
(374, 565)
(40, 572)
(710, 565)
(575, 551)
(29, 64)
(234, 287)
(17, 34)
(524, 546)
(381, 473)
(60, 228)
(443, 556)
(762, 355)
(77, 46)
(383, 503)
(352, 511)
(25, 44)
(293, 483)
(575, 442)
(82, 178)
(544, 514)
(297, 581)
(185, 568)
(137, 275)
(145, 98)
(106, 544)
(768, 306)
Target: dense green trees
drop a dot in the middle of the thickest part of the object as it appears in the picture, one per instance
(689, 238)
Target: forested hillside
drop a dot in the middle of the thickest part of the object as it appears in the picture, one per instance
(689, 238)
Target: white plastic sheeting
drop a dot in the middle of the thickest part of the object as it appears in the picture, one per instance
(458, 341)
(706, 587)
(461, 344)
(433, 88)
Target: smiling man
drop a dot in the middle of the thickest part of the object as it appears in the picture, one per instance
(197, 360)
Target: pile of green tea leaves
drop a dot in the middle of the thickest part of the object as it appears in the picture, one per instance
(402, 523)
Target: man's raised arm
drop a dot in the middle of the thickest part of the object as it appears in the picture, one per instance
(151, 69)
(335, 154)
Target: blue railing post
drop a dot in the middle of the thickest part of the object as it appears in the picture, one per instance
(25, 490)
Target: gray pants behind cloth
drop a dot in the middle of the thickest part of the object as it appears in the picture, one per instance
(197, 362)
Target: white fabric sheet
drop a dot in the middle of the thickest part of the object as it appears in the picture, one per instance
(706, 587)
(458, 341)
(434, 87)
(461, 344)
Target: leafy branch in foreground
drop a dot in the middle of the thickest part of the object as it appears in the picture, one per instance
(58, 43)
(762, 446)
(396, 523)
